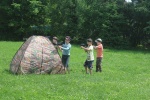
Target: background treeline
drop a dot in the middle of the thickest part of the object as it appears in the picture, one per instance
(118, 23)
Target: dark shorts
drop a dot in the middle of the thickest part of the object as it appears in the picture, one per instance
(88, 64)
(65, 60)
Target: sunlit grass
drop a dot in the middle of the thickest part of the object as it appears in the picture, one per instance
(125, 76)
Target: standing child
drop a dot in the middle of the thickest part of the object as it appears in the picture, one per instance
(99, 50)
(66, 53)
(54, 41)
(90, 56)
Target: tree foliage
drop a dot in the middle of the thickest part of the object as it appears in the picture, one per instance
(117, 22)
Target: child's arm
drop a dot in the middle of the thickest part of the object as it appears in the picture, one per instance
(67, 48)
(95, 47)
(86, 49)
(60, 49)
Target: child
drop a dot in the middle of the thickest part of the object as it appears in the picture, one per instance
(54, 41)
(66, 53)
(90, 56)
(99, 50)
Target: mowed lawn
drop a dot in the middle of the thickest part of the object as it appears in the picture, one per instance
(125, 76)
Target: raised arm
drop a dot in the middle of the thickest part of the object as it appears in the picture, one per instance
(86, 49)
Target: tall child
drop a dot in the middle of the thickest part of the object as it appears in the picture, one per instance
(99, 50)
(66, 53)
(90, 56)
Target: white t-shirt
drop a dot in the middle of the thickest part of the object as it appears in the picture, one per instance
(90, 55)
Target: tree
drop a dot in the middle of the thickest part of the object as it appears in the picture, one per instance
(22, 15)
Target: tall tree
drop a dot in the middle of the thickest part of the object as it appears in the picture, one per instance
(21, 15)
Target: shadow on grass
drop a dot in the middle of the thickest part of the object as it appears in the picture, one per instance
(7, 71)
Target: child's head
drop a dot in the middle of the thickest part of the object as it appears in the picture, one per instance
(55, 40)
(89, 41)
(67, 39)
(98, 41)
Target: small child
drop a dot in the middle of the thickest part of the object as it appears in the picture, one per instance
(54, 41)
(90, 56)
(66, 53)
(99, 50)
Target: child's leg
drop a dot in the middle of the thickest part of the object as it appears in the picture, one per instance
(97, 67)
(86, 66)
(90, 71)
(90, 66)
(67, 64)
(98, 64)
(100, 67)
(63, 61)
(86, 70)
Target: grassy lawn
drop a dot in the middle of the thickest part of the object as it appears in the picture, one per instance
(125, 76)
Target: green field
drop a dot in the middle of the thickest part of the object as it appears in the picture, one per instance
(125, 76)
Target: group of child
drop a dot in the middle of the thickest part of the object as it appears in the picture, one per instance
(65, 48)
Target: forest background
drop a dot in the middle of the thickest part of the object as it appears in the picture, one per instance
(119, 23)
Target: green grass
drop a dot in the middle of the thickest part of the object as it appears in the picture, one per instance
(125, 76)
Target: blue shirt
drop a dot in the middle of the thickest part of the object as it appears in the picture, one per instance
(66, 49)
